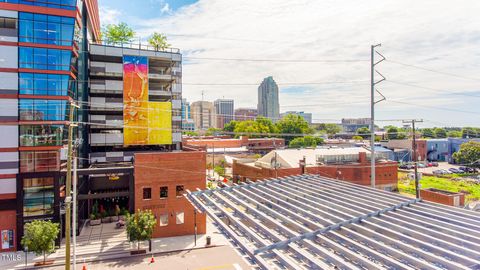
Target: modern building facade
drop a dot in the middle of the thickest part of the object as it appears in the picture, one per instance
(245, 114)
(350, 125)
(203, 114)
(304, 115)
(437, 149)
(224, 111)
(268, 104)
(41, 63)
(187, 120)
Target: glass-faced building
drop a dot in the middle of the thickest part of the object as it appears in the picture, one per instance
(42, 70)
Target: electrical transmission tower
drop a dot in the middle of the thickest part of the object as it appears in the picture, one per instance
(373, 63)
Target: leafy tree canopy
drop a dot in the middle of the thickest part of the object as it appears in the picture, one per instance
(212, 131)
(454, 134)
(158, 41)
(256, 128)
(392, 133)
(428, 133)
(470, 132)
(230, 126)
(293, 124)
(364, 132)
(440, 133)
(39, 237)
(140, 226)
(357, 138)
(118, 33)
(469, 154)
(330, 129)
(307, 141)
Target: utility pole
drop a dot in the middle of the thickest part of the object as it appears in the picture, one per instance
(68, 187)
(74, 219)
(414, 155)
(372, 107)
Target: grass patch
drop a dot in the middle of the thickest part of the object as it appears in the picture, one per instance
(407, 186)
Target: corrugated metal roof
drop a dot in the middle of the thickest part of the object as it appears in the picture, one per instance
(313, 222)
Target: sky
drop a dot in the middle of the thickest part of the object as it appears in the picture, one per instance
(318, 51)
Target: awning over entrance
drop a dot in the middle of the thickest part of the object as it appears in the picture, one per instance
(312, 222)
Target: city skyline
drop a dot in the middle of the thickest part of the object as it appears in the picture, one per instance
(431, 42)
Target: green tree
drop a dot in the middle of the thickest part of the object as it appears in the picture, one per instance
(392, 133)
(39, 236)
(259, 127)
(440, 133)
(357, 138)
(158, 41)
(219, 170)
(307, 141)
(470, 132)
(212, 131)
(428, 133)
(364, 132)
(190, 133)
(140, 226)
(469, 154)
(230, 126)
(454, 134)
(330, 129)
(118, 33)
(293, 124)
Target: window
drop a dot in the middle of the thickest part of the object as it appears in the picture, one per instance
(46, 84)
(43, 110)
(41, 135)
(46, 29)
(63, 4)
(9, 23)
(46, 59)
(147, 193)
(39, 161)
(38, 196)
(163, 220)
(180, 218)
(163, 192)
(179, 190)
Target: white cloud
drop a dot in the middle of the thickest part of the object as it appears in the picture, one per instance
(109, 15)
(166, 8)
(432, 33)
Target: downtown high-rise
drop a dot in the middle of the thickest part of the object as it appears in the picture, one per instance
(268, 105)
(224, 111)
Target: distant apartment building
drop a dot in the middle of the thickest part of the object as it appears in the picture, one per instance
(350, 125)
(224, 111)
(268, 104)
(244, 114)
(43, 48)
(187, 120)
(203, 114)
(306, 116)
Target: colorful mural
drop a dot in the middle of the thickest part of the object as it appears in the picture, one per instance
(144, 122)
(135, 100)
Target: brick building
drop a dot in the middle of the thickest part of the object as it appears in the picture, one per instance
(442, 196)
(349, 164)
(252, 144)
(160, 181)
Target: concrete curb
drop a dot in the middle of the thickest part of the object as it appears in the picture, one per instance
(114, 256)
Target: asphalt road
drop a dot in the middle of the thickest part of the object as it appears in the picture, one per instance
(215, 258)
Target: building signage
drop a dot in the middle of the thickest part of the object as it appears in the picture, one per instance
(7, 239)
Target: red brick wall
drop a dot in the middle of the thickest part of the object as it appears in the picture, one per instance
(441, 197)
(155, 170)
(8, 221)
(386, 173)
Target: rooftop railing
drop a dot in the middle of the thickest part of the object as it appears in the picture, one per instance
(136, 45)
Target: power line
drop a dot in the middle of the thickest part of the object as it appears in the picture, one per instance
(279, 60)
(433, 89)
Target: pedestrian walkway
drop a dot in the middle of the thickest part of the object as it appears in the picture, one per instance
(104, 241)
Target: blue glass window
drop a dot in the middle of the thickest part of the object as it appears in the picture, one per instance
(63, 4)
(47, 59)
(42, 135)
(42, 110)
(45, 84)
(46, 29)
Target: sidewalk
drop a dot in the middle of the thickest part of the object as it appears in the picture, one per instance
(105, 242)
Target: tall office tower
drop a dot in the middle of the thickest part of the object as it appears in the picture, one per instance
(268, 105)
(187, 121)
(224, 112)
(203, 114)
(42, 61)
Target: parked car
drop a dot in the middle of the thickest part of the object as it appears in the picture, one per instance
(435, 164)
(438, 172)
(455, 170)
(429, 164)
(403, 166)
(421, 165)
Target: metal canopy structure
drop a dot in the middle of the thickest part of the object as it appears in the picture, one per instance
(313, 222)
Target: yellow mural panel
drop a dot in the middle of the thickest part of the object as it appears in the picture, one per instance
(159, 123)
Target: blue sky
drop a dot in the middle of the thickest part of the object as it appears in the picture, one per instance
(430, 34)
